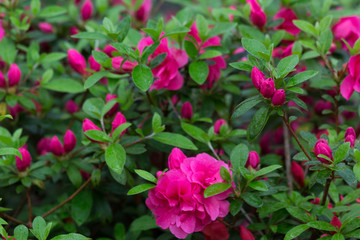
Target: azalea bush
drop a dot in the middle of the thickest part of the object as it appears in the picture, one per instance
(179, 119)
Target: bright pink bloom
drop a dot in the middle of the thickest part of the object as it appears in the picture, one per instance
(278, 99)
(288, 15)
(257, 77)
(143, 13)
(350, 136)
(118, 120)
(46, 27)
(87, 10)
(322, 147)
(267, 88)
(56, 147)
(43, 146)
(71, 107)
(167, 72)
(118, 63)
(253, 160)
(257, 15)
(24, 163)
(176, 158)
(14, 75)
(77, 61)
(245, 233)
(352, 81)
(187, 110)
(218, 124)
(113, 110)
(69, 141)
(216, 231)
(2, 31)
(298, 174)
(2, 81)
(347, 28)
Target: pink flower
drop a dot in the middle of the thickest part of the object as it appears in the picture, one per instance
(176, 158)
(2, 81)
(43, 146)
(267, 88)
(350, 136)
(87, 10)
(24, 163)
(187, 110)
(2, 31)
(216, 231)
(113, 110)
(14, 75)
(218, 124)
(352, 81)
(167, 72)
(336, 223)
(71, 107)
(143, 12)
(77, 61)
(253, 160)
(347, 28)
(245, 234)
(89, 125)
(109, 50)
(46, 27)
(118, 120)
(257, 77)
(73, 30)
(257, 15)
(322, 147)
(178, 202)
(118, 63)
(69, 141)
(298, 174)
(94, 65)
(56, 147)
(288, 15)
(278, 98)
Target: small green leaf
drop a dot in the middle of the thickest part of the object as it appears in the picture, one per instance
(115, 157)
(321, 225)
(341, 152)
(252, 199)
(97, 135)
(199, 71)
(296, 231)
(246, 105)
(10, 151)
(215, 189)
(356, 170)
(301, 77)
(146, 175)
(175, 139)
(338, 236)
(253, 47)
(225, 174)
(258, 123)
(306, 27)
(239, 156)
(140, 188)
(259, 186)
(267, 170)
(195, 132)
(190, 49)
(286, 65)
(81, 207)
(91, 36)
(66, 85)
(52, 11)
(142, 77)
(21, 232)
(70, 236)
(94, 78)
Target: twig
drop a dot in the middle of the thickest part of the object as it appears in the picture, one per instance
(10, 218)
(139, 140)
(287, 157)
(326, 189)
(28, 197)
(174, 109)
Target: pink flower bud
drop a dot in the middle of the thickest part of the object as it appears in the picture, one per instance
(109, 50)
(253, 160)
(143, 13)
(298, 174)
(245, 234)
(94, 65)
(336, 223)
(175, 99)
(187, 110)
(278, 98)
(322, 147)
(85, 175)
(69, 141)
(118, 120)
(46, 27)
(56, 147)
(175, 159)
(77, 61)
(2, 81)
(257, 77)
(218, 124)
(24, 163)
(71, 107)
(43, 146)
(73, 30)
(267, 88)
(87, 10)
(89, 125)
(113, 110)
(127, 66)
(257, 15)
(14, 75)
(350, 136)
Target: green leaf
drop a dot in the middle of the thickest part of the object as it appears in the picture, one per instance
(91, 36)
(101, 58)
(5, 116)
(253, 47)
(202, 26)
(195, 132)
(225, 174)
(341, 152)
(156, 123)
(115, 157)
(142, 77)
(143, 223)
(81, 207)
(140, 188)
(321, 225)
(350, 197)
(51, 57)
(175, 139)
(8, 50)
(301, 77)
(258, 123)
(21, 232)
(39, 228)
(35, 8)
(259, 186)
(246, 105)
(74, 175)
(266, 170)
(296, 231)
(94, 78)
(210, 54)
(199, 71)
(298, 213)
(220, 28)
(117, 132)
(286, 65)
(338, 236)
(71, 236)
(306, 27)
(325, 40)
(146, 175)
(124, 27)
(239, 156)
(190, 49)
(52, 11)
(97, 135)
(252, 199)
(177, 30)
(66, 85)
(10, 151)
(235, 206)
(215, 189)
(356, 170)
(355, 234)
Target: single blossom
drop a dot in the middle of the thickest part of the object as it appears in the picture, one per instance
(298, 174)
(46, 27)
(218, 124)
(87, 10)
(257, 15)
(176, 158)
(69, 141)
(94, 65)
(245, 233)
(352, 81)
(77, 61)
(14, 75)
(24, 163)
(288, 15)
(350, 136)
(71, 107)
(347, 28)
(118, 120)
(278, 98)
(322, 147)
(267, 88)
(56, 147)
(118, 63)
(187, 110)
(253, 160)
(142, 14)
(257, 77)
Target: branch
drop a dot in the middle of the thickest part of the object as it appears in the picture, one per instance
(326, 189)
(10, 218)
(29, 204)
(287, 157)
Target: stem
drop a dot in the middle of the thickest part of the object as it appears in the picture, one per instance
(139, 140)
(10, 218)
(287, 157)
(326, 189)
(28, 197)
(149, 98)
(213, 151)
(174, 109)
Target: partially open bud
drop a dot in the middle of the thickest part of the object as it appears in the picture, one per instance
(113, 110)
(245, 234)
(77, 61)
(257, 77)
(298, 174)
(71, 107)
(118, 120)
(56, 147)
(187, 110)
(336, 223)
(46, 27)
(14, 75)
(322, 147)
(267, 88)
(257, 15)
(218, 124)
(87, 10)
(350, 136)
(69, 141)
(278, 98)
(24, 163)
(176, 157)
(253, 160)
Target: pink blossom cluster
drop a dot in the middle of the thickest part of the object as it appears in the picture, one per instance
(178, 201)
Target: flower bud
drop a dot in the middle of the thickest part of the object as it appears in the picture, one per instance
(257, 77)
(119, 64)
(69, 141)
(71, 107)
(267, 88)
(257, 15)
(46, 27)
(73, 30)
(218, 124)
(245, 234)
(278, 98)
(14, 75)
(336, 223)
(87, 10)
(43, 146)
(89, 125)
(2, 81)
(118, 120)
(24, 163)
(109, 50)
(322, 147)
(143, 12)
(175, 159)
(298, 174)
(94, 65)
(56, 147)
(350, 136)
(253, 160)
(77, 61)
(175, 99)
(113, 110)
(187, 110)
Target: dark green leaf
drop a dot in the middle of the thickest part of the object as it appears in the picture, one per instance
(301, 77)
(199, 71)
(81, 207)
(253, 47)
(140, 188)
(259, 186)
(252, 199)
(258, 123)
(267, 170)
(295, 231)
(246, 105)
(239, 156)
(321, 225)
(195, 132)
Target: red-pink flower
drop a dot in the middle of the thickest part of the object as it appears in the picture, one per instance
(245, 234)
(257, 15)
(218, 124)
(298, 174)
(350, 136)
(288, 15)
(89, 125)
(2, 31)
(24, 163)
(257, 77)
(87, 10)
(216, 231)
(278, 98)
(267, 88)
(14, 75)
(253, 160)
(46, 27)
(71, 107)
(352, 82)
(322, 147)
(118, 120)
(347, 28)
(335, 221)
(56, 147)
(143, 12)
(118, 63)
(187, 110)
(69, 141)
(77, 61)
(176, 158)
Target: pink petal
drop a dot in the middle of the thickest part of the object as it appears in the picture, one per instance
(347, 87)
